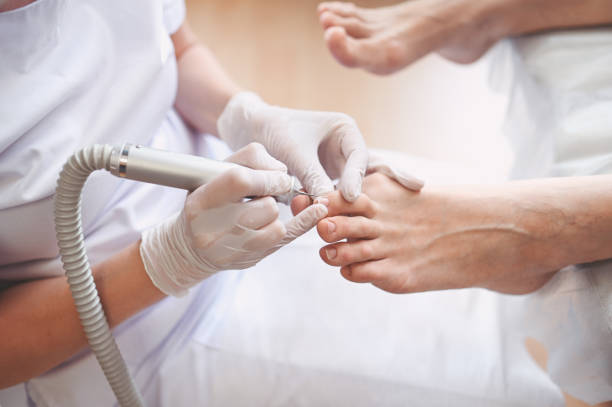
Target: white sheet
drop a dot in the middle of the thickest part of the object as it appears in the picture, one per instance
(297, 334)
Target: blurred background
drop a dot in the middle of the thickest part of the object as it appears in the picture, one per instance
(435, 109)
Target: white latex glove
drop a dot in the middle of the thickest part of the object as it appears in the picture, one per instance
(377, 163)
(316, 146)
(219, 230)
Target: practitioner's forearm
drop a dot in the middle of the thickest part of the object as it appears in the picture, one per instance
(204, 88)
(38, 321)
(8, 5)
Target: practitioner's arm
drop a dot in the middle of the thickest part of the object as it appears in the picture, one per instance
(315, 146)
(39, 326)
(510, 238)
(204, 88)
(384, 40)
(8, 5)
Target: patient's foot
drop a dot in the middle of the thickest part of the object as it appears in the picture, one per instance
(442, 237)
(386, 39)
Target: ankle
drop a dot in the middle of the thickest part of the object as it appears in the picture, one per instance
(485, 20)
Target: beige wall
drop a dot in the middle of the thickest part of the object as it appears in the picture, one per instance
(434, 108)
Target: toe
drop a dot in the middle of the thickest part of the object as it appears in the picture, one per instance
(345, 227)
(365, 272)
(344, 253)
(362, 206)
(340, 8)
(354, 27)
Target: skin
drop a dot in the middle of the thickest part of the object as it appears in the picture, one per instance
(39, 325)
(8, 5)
(386, 39)
(510, 238)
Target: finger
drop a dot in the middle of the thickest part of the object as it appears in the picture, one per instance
(258, 213)
(347, 227)
(345, 253)
(312, 176)
(378, 164)
(266, 238)
(254, 155)
(355, 27)
(303, 222)
(237, 183)
(355, 168)
(367, 272)
(363, 205)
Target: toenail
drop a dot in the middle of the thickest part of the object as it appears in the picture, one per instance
(330, 253)
(331, 226)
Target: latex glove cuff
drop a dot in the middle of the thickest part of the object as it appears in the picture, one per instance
(232, 123)
(169, 260)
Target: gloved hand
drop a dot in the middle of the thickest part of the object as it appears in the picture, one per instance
(218, 230)
(377, 163)
(316, 146)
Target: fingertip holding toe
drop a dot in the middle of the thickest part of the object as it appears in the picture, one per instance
(321, 211)
(351, 192)
(415, 184)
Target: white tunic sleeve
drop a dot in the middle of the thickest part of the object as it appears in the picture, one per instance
(174, 14)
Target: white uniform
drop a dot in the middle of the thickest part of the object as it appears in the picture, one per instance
(292, 337)
(74, 73)
(560, 122)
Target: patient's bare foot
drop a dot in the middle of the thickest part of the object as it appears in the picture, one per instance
(442, 237)
(386, 39)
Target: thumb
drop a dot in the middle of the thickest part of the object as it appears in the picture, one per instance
(353, 173)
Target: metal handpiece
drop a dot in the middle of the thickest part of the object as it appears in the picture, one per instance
(176, 170)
